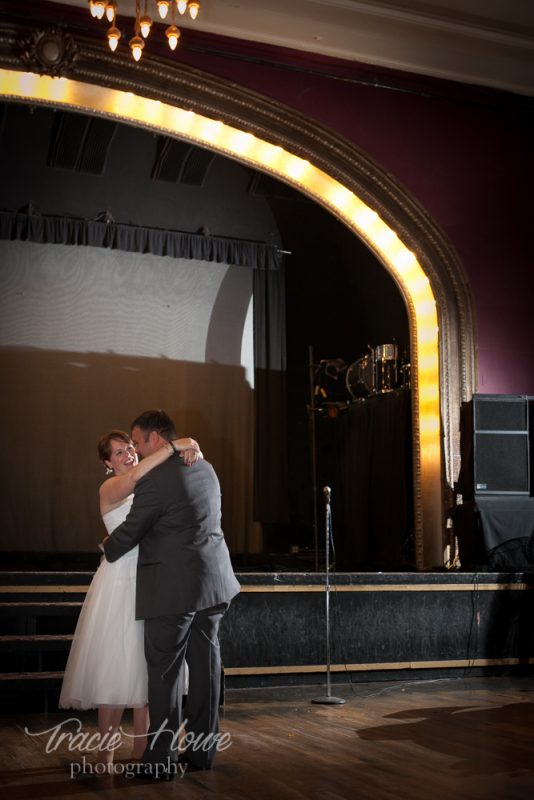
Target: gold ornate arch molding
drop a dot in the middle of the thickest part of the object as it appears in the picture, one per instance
(51, 67)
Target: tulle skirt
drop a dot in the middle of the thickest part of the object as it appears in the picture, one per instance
(106, 664)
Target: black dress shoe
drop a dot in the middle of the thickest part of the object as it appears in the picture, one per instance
(185, 761)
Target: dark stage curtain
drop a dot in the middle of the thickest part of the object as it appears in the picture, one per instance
(135, 239)
(369, 452)
(270, 449)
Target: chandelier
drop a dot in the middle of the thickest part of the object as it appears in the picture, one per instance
(108, 9)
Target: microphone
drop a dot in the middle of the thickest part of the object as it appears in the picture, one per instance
(326, 492)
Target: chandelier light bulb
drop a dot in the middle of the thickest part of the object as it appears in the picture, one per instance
(136, 46)
(173, 34)
(100, 8)
(114, 35)
(145, 23)
(163, 8)
(111, 10)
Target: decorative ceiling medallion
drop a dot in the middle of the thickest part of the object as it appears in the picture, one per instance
(49, 52)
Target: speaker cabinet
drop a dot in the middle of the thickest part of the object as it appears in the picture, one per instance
(500, 413)
(501, 463)
(495, 446)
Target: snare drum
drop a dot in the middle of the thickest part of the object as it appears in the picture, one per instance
(360, 377)
(386, 352)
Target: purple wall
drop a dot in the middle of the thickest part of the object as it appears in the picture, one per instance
(465, 154)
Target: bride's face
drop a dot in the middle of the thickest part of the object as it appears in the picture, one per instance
(122, 457)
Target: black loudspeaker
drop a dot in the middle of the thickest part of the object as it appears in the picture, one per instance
(500, 413)
(495, 446)
(501, 463)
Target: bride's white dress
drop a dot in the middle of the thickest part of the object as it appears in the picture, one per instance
(106, 664)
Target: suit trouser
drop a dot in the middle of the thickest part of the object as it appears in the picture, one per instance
(168, 641)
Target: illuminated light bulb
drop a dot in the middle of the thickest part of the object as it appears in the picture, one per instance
(385, 237)
(268, 153)
(114, 35)
(181, 5)
(173, 34)
(92, 8)
(296, 167)
(241, 142)
(340, 196)
(426, 307)
(428, 393)
(136, 46)
(194, 8)
(163, 8)
(211, 130)
(429, 424)
(419, 286)
(404, 259)
(100, 8)
(111, 10)
(365, 218)
(145, 23)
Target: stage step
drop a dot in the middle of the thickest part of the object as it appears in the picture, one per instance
(25, 643)
(40, 608)
(38, 618)
(33, 578)
(38, 615)
(32, 692)
(30, 680)
(44, 587)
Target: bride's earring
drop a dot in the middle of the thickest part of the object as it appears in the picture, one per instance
(109, 471)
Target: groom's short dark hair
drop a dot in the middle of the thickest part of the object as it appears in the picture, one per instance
(156, 420)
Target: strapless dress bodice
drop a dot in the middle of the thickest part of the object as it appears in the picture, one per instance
(112, 519)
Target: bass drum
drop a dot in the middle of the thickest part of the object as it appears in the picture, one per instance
(360, 377)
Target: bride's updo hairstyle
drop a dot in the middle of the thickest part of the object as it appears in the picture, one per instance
(104, 445)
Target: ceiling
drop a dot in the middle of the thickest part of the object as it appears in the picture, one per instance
(483, 42)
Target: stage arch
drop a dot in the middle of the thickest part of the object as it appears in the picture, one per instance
(190, 105)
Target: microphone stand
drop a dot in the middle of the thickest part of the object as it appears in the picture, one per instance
(311, 409)
(328, 699)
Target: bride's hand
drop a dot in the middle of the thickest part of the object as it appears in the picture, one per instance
(189, 450)
(191, 457)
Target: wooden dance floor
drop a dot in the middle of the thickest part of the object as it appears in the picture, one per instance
(463, 737)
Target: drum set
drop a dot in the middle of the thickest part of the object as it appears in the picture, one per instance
(379, 371)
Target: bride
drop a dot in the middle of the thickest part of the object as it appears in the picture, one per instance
(106, 668)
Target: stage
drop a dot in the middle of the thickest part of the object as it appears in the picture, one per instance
(383, 626)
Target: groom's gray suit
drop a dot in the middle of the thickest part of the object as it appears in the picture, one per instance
(184, 584)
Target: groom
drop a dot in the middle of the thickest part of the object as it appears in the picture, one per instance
(185, 583)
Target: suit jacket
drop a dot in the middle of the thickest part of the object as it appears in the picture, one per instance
(183, 564)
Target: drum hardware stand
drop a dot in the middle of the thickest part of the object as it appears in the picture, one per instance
(328, 699)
